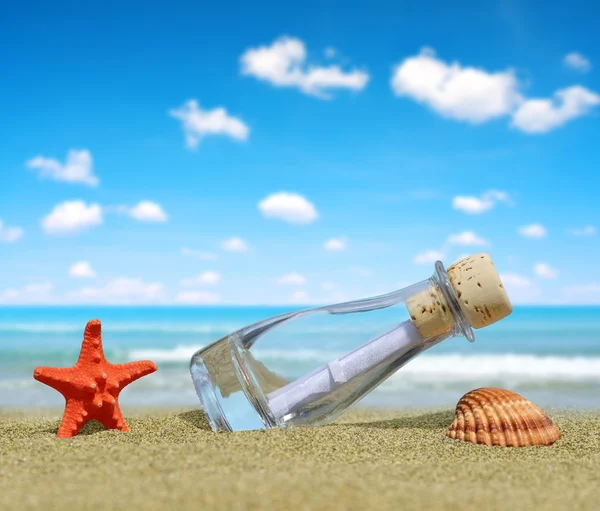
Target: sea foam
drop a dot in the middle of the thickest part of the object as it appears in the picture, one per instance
(449, 367)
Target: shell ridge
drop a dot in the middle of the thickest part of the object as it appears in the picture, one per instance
(521, 413)
(470, 425)
(481, 424)
(460, 427)
(528, 439)
(541, 422)
(528, 419)
(521, 431)
(534, 413)
(484, 431)
(503, 399)
(492, 417)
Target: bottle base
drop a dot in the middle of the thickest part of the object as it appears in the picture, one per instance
(225, 413)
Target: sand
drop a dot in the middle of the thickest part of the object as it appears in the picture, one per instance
(369, 460)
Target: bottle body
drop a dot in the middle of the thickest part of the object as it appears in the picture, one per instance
(243, 384)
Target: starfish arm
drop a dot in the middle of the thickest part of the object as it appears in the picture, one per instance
(91, 347)
(54, 377)
(73, 419)
(133, 370)
(115, 421)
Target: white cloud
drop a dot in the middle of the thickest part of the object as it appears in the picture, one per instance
(208, 278)
(335, 245)
(9, 234)
(429, 256)
(584, 294)
(472, 205)
(283, 64)
(520, 289)
(82, 270)
(588, 230)
(577, 61)
(515, 280)
(38, 293)
(121, 291)
(545, 271)
(77, 168)
(476, 96)
(234, 244)
(42, 287)
(290, 207)
(200, 254)
(197, 298)
(543, 115)
(461, 93)
(533, 231)
(467, 238)
(292, 279)
(198, 123)
(148, 211)
(71, 217)
(328, 285)
(477, 205)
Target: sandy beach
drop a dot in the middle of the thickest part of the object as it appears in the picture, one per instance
(368, 460)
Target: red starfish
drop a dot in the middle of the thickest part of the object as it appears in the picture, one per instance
(91, 387)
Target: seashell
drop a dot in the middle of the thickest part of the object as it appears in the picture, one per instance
(501, 417)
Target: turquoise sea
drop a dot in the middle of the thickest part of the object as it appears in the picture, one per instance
(549, 354)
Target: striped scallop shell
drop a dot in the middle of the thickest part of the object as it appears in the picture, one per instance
(500, 417)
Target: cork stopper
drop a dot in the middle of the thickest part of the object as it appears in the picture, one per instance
(479, 291)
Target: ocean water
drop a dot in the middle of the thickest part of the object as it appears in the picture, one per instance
(551, 355)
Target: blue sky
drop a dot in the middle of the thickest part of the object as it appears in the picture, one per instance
(250, 154)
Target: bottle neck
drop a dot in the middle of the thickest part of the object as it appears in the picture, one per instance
(461, 325)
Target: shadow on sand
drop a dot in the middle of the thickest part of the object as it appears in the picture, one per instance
(89, 428)
(435, 420)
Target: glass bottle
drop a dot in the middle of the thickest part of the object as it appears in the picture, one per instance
(241, 387)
